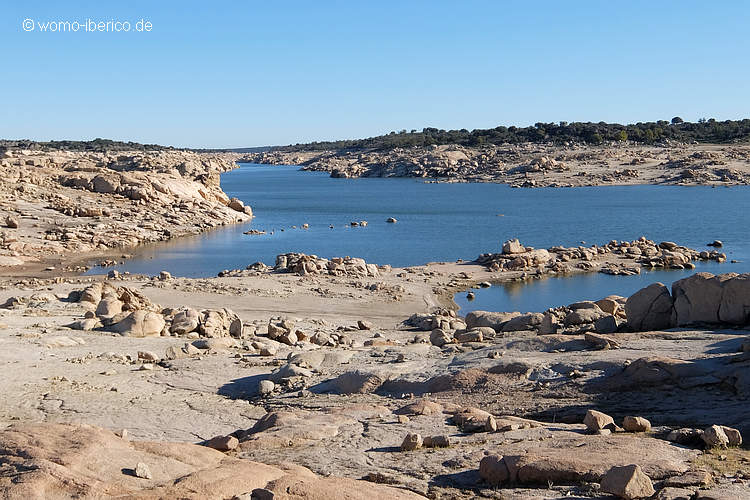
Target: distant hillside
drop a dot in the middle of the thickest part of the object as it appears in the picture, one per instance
(97, 145)
(706, 131)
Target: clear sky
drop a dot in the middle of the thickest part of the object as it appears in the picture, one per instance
(248, 73)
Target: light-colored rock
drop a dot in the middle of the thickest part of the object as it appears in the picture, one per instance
(266, 387)
(78, 461)
(139, 324)
(411, 442)
(715, 436)
(468, 336)
(420, 407)
(436, 441)
(734, 436)
(223, 443)
(628, 482)
(596, 421)
(148, 356)
(697, 298)
(440, 337)
(185, 321)
(588, 313)
(85, 324)
(142, 471)
(108, 307)
(513, 246)
(470, 419)
(530, 321)
(636, 424)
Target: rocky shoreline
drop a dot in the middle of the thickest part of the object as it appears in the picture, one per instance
(534, 165)
(333, 373)
(67, 206)
(323, 374)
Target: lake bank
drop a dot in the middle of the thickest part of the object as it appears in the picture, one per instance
(446, 222)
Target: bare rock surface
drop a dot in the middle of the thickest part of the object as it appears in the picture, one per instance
(67, 461)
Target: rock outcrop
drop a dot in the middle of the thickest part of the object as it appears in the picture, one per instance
(302, 264)
(699, 299)
(127, 311)
(86, 202)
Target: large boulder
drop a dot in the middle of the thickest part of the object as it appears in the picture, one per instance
(108, 307)
(735, 300)
(697, 298)
(530, 321)
(583, 313)
(656, 371)
(493, 469)
(219, 323)
(649, 309)
(596, 421)
(440, 337)
(357, 382)
(494, 320)
(513, 246)
(92, 293)
(185, 321)
(140, 324)
(628, 482)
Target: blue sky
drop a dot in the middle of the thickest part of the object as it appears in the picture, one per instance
(233, 74)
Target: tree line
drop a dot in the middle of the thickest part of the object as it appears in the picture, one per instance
(704, 130)
(94, 146)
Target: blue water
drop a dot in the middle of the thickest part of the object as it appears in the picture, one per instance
(445, 222)
(553, 291)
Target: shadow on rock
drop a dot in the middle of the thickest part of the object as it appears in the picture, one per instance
(242, 388)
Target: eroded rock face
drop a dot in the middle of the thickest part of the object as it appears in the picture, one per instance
(185, 321)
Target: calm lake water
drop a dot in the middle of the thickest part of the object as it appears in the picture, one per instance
(445, 222)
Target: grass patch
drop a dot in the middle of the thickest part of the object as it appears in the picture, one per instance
(731, 461)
